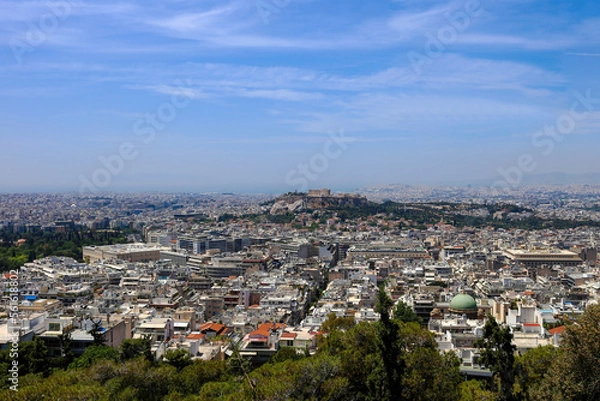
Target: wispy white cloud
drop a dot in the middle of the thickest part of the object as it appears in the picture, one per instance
(584, 54)
(301, 139)
(279, 94)
(508, 80)
(27, 92)
(590, 125)
(408, 24)
(179, 90)
(522, 42)
(423, 114)
(186, 27)
(189, 24)
(33, 11)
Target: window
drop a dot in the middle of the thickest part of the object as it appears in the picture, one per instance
(54, 327)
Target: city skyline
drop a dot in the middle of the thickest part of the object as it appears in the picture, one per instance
(272, 96)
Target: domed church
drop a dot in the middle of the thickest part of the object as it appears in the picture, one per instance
(464, 304)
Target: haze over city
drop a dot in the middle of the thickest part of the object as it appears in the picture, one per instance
(272, 96)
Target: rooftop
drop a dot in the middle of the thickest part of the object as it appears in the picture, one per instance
(463, 302)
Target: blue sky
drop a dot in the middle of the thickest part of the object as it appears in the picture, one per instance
(252, 92)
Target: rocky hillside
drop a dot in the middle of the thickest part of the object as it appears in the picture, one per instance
(299, 202)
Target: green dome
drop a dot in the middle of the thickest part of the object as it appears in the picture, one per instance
(463, 302)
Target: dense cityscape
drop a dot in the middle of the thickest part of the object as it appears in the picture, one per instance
(245, 281)
(273, 200)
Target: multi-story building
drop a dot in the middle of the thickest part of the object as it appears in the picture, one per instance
(129, 252)
(391, 250)
(536, 257)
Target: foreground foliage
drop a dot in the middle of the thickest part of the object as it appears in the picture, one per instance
(387, 360)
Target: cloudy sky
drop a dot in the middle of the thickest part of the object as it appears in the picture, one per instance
(276, 95)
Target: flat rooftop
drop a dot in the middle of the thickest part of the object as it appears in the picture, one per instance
(542, 255)
(126, 248)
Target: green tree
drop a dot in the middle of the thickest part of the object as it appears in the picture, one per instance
(389, 347)
(223, 391)
(140, 379)
(95, 353)
(284, 354)
(530, 369)
(413, 336)
(403, 313)
(179, 358)
(498, 354)
(97, 332)
(33, 357)
(361, 362)
(241, 366)
(102, 370)
(5, 365)
(575, 374)
(314, 378)
(474, 390)
(133, 348)
(66, 351)
(62, 385)
(337, 323)
(193, 377)
(431, 376)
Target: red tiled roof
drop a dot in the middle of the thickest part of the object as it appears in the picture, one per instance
(258, 333)
(286, 334)
(270, 326)
(557, 330)
(210, 326)
(196, 336)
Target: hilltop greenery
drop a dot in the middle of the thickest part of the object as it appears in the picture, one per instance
(39, 244)
(419, 216)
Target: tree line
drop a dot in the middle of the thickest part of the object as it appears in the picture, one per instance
(39, 244)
